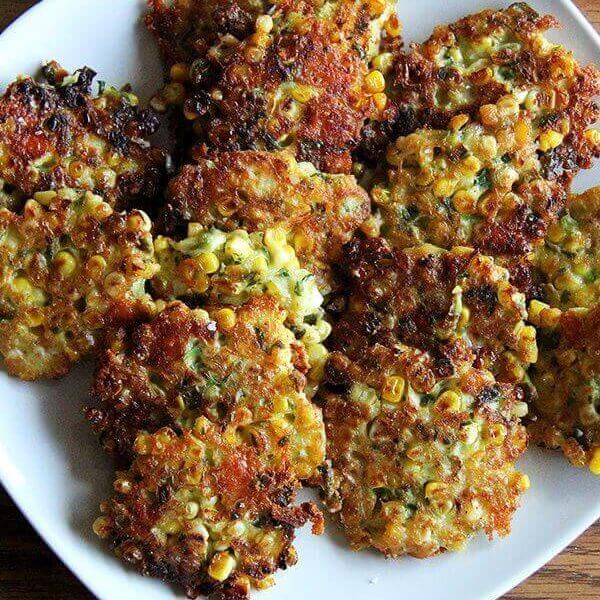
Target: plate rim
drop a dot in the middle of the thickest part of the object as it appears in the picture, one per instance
(576, 528)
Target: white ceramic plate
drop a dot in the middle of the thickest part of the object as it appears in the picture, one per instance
(50, 462)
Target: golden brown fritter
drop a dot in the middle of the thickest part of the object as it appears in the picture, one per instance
(260, 190)
(56, 134)
(480, 183)
(420, 473)
(297, 79)
(567, 378)
(69, 267)
(569, 261)
(213, 267)
(478, 60)
(439, 312)
(244, 365)
(206, 510)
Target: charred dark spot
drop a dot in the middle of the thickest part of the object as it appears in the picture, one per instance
(489, 395)
(484, 298)
(163, 493)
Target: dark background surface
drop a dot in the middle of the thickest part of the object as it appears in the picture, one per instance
(30, 571)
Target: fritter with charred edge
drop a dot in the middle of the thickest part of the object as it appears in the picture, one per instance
(298, 81)
(57, 134)
(440, 312)
(260, 190)
(69, 267)
(569, 261)
(480, 183)
(212, 267)
(205, 510)
(567, 379)
(183, 365)
(415, 473)
(477, 61)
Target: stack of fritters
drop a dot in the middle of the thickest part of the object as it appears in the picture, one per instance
(218, 390)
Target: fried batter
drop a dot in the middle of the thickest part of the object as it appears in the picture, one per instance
(474, 63)
(569, 261)
(205, 510)
(69, 267)
(480, 183)
(567, 376)
(420, 473)
(56, 134)
(260, 190)
(441, 311)
(297, 79)
(246, 366)
(212, 267)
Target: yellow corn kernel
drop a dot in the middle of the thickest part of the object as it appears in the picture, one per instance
(264, 24)
(142, 444)
(471, 164)
(274, 238)
(260, 265)
(522, 132)
(66, 263)
(221, 566)
(280, 404)
(449, 401)
(435, 489)
(22, 285)
(549, 318)
(180, 72)
(380, 100)
(488, 114)
(226, 318)
(45, 197)
(595, 461)
(393, 26)
(191, 510)
(523, 482)
(265, 583)
(317, 354)
(283, 256)
(383, 62)
(377, 7)
(113, 283)
(375, 82)
(496, 433)
(35, 317)
(444, 187)
(489, 146)
(458, 122)
(101, 527)
(535, 311)
(208, 262)
(158, 104)
(237, 248)
(593, 136)
(508, 105)
(550, 139)
(174, 93)
(302, 93)
(464, 202)
(161, 244)
(393, 389)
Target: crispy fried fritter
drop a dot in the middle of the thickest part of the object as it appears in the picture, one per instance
(228, 268)
(567, 379)
(477, 61)
(56, 134)
(440, 311)
(68, 268)
(481, 183)
(205, 510)
(569, 261)
(414, 473)
(298, 80)
(260, 190)
(182, 365)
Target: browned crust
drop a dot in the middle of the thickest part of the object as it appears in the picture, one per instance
(38, 119)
